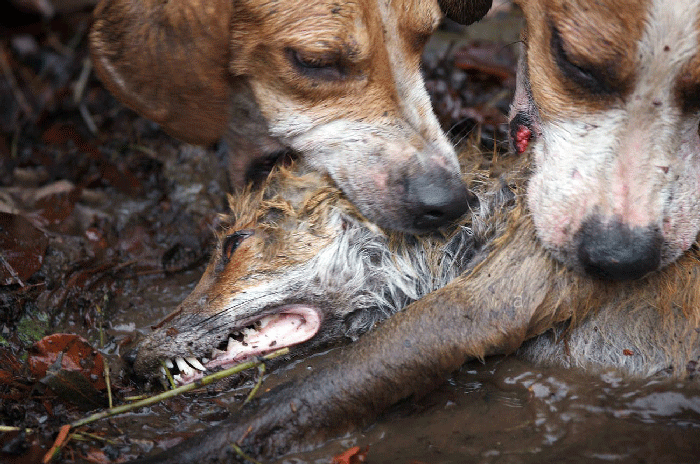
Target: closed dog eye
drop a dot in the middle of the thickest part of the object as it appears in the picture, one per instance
(318, 66)
(590, 77)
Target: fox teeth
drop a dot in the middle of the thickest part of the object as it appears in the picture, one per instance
(183, 366)
(194, 362)
(162, 371)
(231, 344)
(169, 363)
(247, 332)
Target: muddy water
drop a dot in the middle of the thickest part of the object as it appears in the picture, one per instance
(502, 411)
(509, 411)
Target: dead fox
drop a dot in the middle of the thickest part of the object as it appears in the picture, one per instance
(299, 265)
(607, 106)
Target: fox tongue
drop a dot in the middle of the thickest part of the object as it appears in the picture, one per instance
(292, 325)
(285, 329)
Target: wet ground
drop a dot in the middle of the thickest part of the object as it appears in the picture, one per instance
(105, 226)
(507, 411)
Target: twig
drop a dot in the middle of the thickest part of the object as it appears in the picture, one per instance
(59, 443)
(19, 96)
(81, 82)
(9, 428)
(105, 365)
(86, 435)
(8, 267)
(15, 145)
(74, 41)
(107, 381)
(87, 118)
(177, 391)
(261, 373)
(143, 149)
(164, 369)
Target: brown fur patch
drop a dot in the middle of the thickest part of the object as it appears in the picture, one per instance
(600, 37)
(148, 55)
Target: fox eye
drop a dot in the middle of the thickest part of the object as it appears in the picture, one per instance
(589, 77)
(232, 241)
(322, 66)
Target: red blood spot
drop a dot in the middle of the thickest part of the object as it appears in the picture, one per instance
(522, 139)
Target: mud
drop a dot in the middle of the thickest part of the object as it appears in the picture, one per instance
(508, 411)
(504, 411)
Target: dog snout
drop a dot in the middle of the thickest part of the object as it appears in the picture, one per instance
(614, 251)
(437, 200)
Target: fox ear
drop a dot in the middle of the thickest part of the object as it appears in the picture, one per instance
(465, 11)
(167, 60)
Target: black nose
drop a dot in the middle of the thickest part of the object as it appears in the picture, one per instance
(614, 251)
(436, 200)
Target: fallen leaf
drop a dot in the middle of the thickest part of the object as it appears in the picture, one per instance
(73, 387)
(23, 247)
(483, 57)
(57, 201)
(120, 178)
(96, 456)
(21, 448)
(77, 355)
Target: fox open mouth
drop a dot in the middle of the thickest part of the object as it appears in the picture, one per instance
(289, 325)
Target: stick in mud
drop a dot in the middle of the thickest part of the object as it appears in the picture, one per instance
(183, 389)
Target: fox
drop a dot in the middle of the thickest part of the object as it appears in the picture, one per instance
(594, 263)
(297, 265)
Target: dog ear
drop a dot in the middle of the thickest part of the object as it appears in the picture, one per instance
(167, 60)
(465, 11)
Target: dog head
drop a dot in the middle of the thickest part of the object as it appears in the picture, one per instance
(608, 98)
(337, 82)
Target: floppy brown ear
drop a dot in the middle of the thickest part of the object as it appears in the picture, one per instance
(167, 60)
(465, 11)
